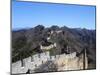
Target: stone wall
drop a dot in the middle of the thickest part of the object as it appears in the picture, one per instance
(71, 62)
(63, 62)
(48, 47)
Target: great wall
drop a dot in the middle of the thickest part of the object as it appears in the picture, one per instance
(63, 62)
(69, 62)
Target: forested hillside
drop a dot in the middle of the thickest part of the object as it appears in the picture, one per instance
(26, 42)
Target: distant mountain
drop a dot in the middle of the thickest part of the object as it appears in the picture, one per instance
(26, 42)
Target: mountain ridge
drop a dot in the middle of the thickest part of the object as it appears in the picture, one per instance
(26, 42)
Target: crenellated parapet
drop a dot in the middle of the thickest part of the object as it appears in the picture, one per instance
(48, 47)
(63, 62)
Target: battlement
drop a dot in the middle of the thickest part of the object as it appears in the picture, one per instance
(36, 60)
(47, 47)
(57, 31)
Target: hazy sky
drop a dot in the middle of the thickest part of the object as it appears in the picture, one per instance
(30, 14)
